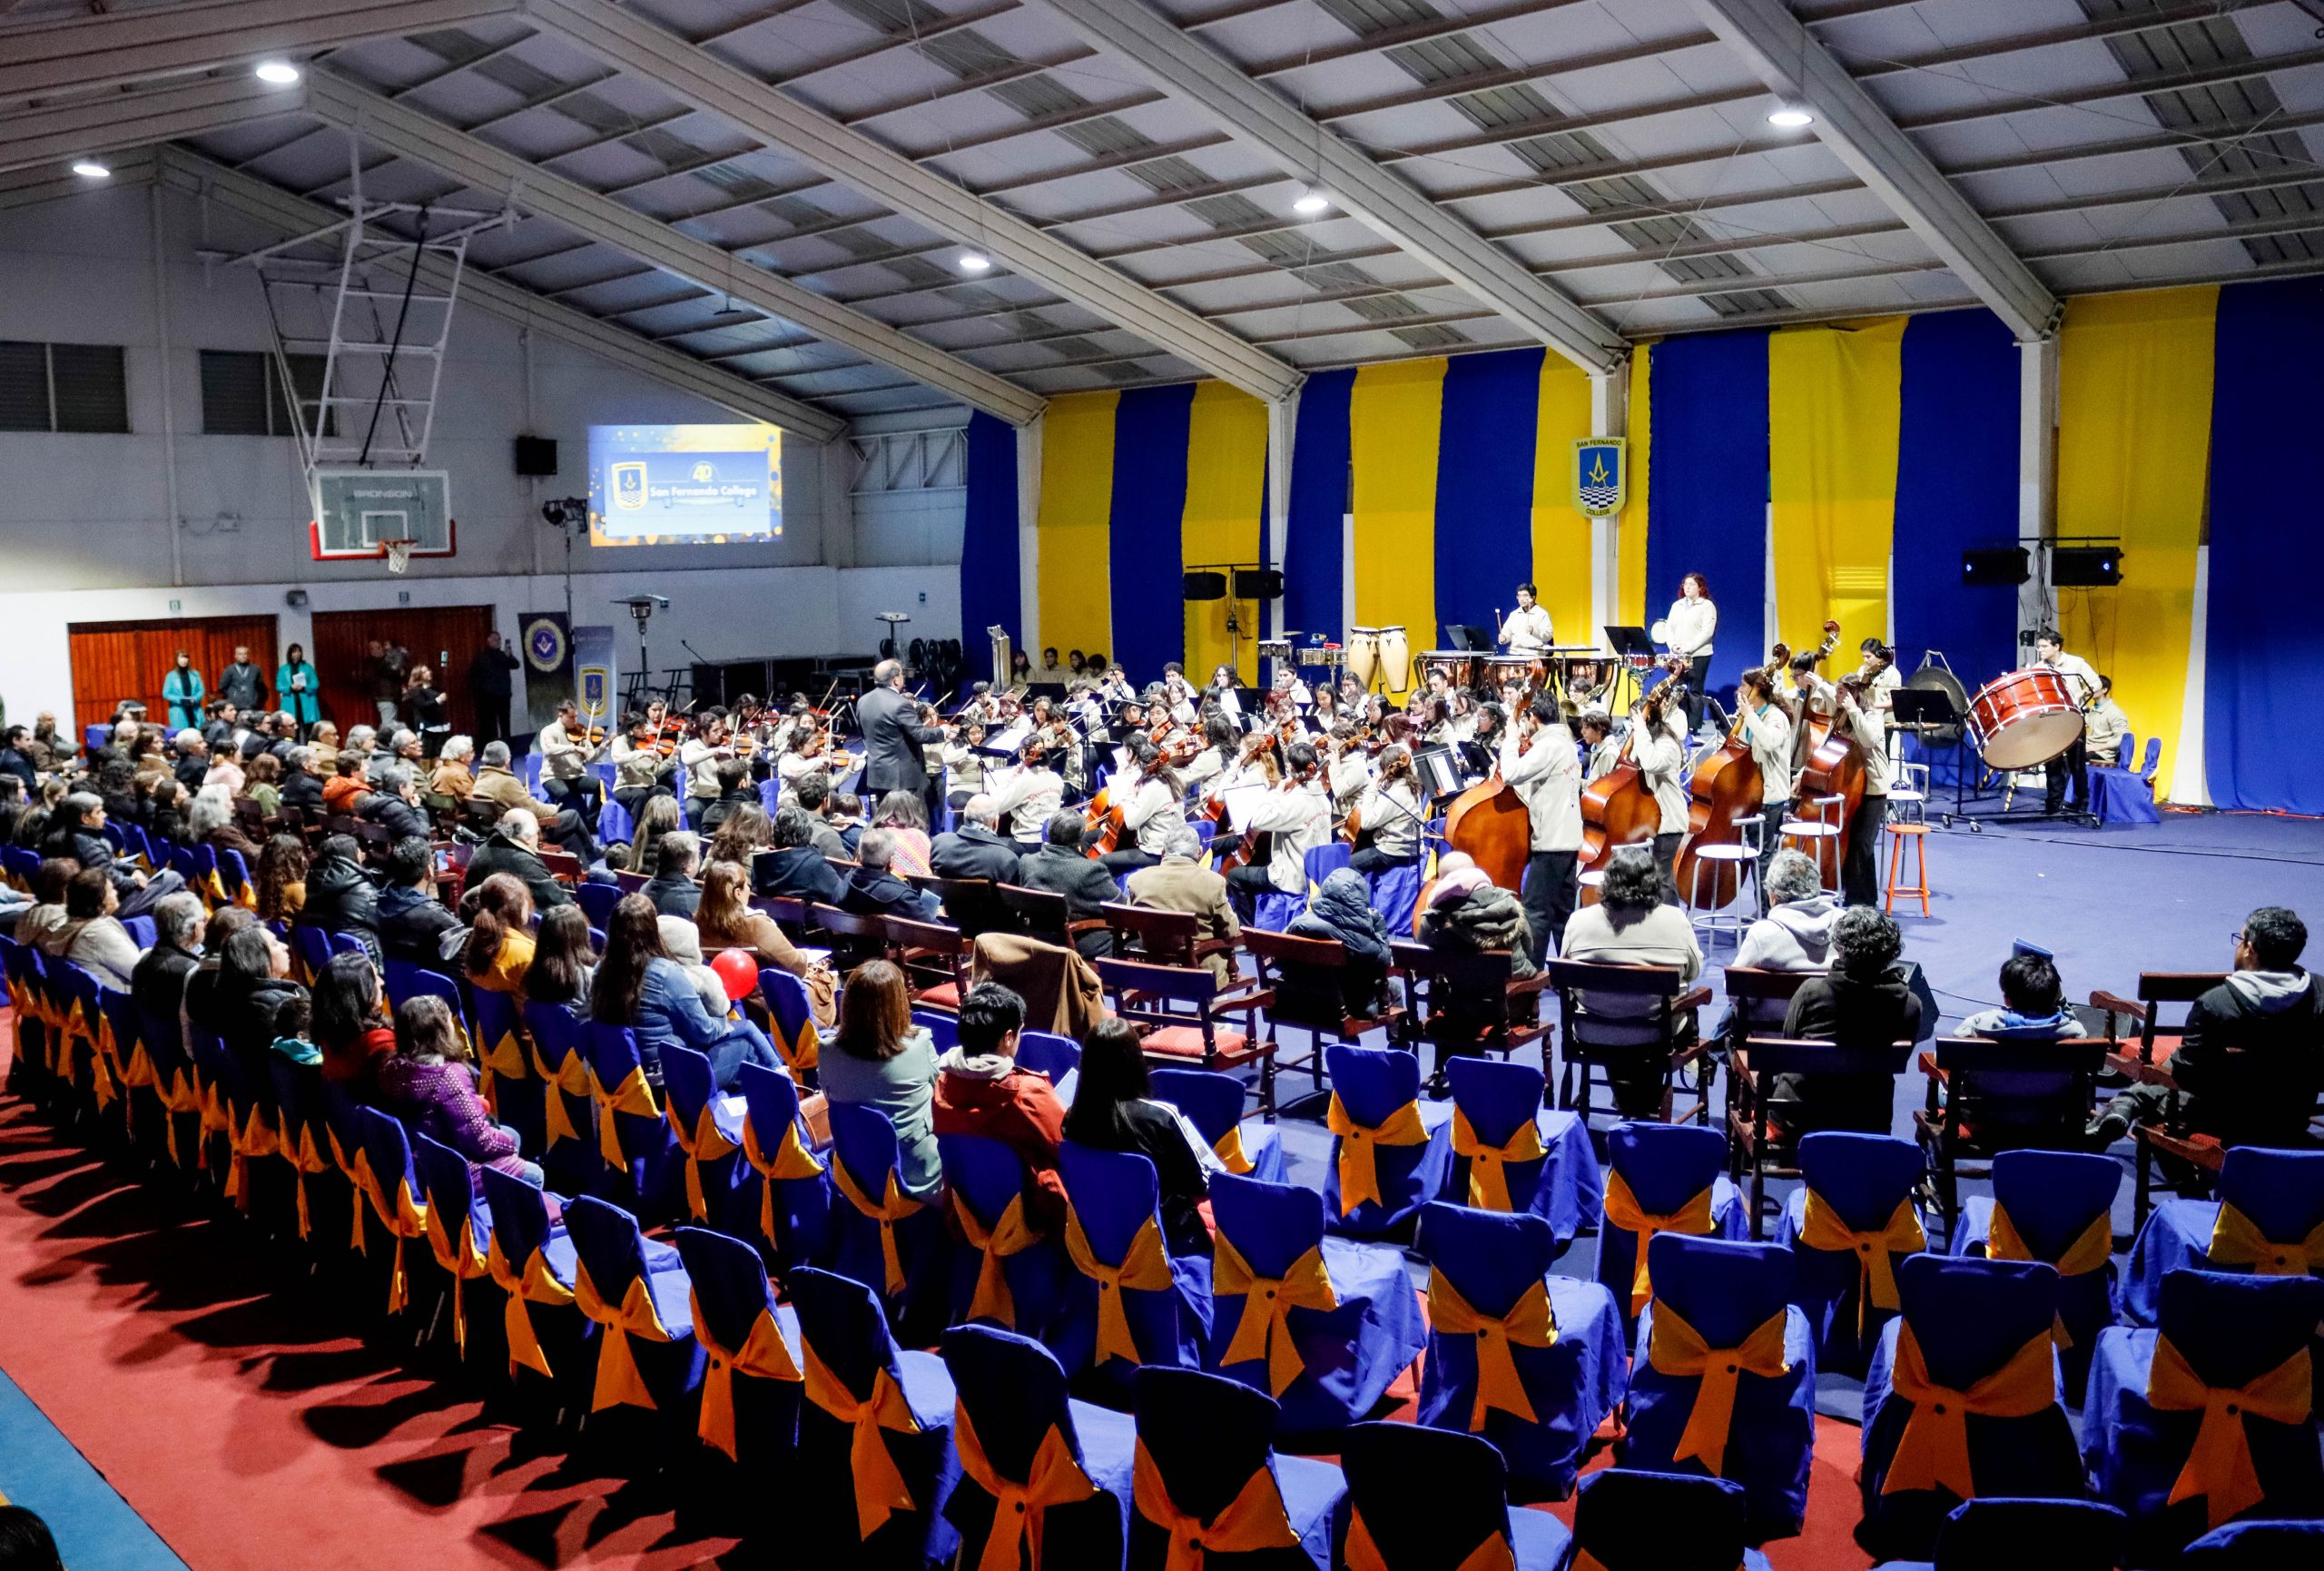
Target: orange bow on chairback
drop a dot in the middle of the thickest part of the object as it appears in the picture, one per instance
(1360, 1554)
(1530, 1323)
(1360, 1148)
(2237, 1240)
(1145, 1268)
(764, 1354)
(1011, 1235)
(570, 1077)
(2218, 1467)
(705, 1142)
(535, 1284)
(456, 1253)
(1264, 1331)
(2090, 1252)
(633, 1095)
(1488, 1164)
(792, 1159)
(1622, 1211)
(1934, 1449)
(619, 1379)
(892, 1207)
(1020, 1509)
(879, 1487)
(1254, 1520)
(1821, 1228)
(1676, 1349)
(1228, 1149)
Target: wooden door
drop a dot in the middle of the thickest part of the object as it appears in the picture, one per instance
(443, 637)
(117, 660)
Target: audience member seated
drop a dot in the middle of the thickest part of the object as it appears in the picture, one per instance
(735, 791)
(252, 982)
(661, 815)
(202, 1004)
(395, 805)
(496, 782)
(1864, 1000)
(264, 786)
(638, 985)
(1062, 868)
(345, 790)
(980, 1090)
(2032, 1004)
(1468, 914)
(742, 835)
(340, 897)
(92, 937)
(874, 889)
(450, 777)
(75, 828)
(157, 983)
(879, 1059)
(564, 963)
(430, 1084)
(192, 764)
(1179, 881)
(1114, 1109)
(1796, 935)
(812, 796)
(280, 877)
(499, 949)
(301, 787)
(727, 920)
(672, 888)
(2270, 1012)
(1630, 925)
(350, 1026)
(795, 868)
(514, 847)
(46, 917)
(905, 816)
(1342, 910)
(294, 1031)
(411, 920)
(977, 848)
(681, 941)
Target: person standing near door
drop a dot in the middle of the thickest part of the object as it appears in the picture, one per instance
(489, 687)
(384, 677)
(242, 683)
(184, 692)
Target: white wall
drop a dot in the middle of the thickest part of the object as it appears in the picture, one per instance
(84, 531)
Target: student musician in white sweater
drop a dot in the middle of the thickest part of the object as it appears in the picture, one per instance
(1542, 763)
(1656, 728)
(1687, 633)
(1765, 727)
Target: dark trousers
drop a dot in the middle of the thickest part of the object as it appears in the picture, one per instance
(584, 796)
(1128, 859)
(2073, 764)
(1860, 863)
(1698, 673)
(634, 798)
(1771, 817)
(1246, 884)
(491, 719)
(1549, 899)
(1372, 860)
(569, 832)
(1666, 856)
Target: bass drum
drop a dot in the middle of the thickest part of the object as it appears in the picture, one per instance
(1935, 678)
(2022, 719)
(1364, 655)
(1395, 660)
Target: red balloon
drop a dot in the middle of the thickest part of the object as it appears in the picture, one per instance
(738, 971)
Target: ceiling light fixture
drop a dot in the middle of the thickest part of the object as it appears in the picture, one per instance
(1311, 201)
(276, 73)
(90, 169)
(975, 261)
(1791, 117)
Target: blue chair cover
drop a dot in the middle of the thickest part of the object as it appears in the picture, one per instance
(2121, 795)
(1208, 1437)
(2232, 1330)
(1565, 1187)
(597, 900)
(1863, 1177)
(572, 1162)
(1491, 1259)
(1374, 1084)
(731, 1291)
(1430, 1497)
(2003, 1535)
(790, 1014)
(2256, 1546)
(615, 1254)
(387, 1148)
(1212, 1101)
(1058, 1057)
(985, 1175)
(521, 1225)
(1628, 1520)
(1970, 1318)
(1115, 1195)
(1664, 1167)
(1350, 1353)
(313, 946)
(2053, 1198)
(1726, 1291)
(518, 1100)
(348, 943)
(614, 824)
(841, 1327)
(799, 1208)
(865, 1141)
(1395, 896)
(142, 930)
(1011, 1394)
(2281, 1191)
(651, 1178)
(688, 1088)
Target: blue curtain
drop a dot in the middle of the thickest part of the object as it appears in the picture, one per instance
(1149, 507)
(2264, 644)
(1956, 488)
(1315, 550)
(1707, 505)
(989, 590)
(1484, 487)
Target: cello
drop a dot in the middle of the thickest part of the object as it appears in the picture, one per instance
(1834, 768)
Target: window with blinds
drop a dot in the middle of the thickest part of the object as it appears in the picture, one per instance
(64, 387)
(242, 393)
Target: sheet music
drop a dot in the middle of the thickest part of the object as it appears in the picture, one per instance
(1012, 740)
(1241, 801)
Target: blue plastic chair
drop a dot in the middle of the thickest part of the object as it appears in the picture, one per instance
(1208, 1441)
(2279, 1195)
(1660, 1178)
(1373, 1189)
(2231, 1353)
(792, 1017)
(1109, 1321)
(597, 900)
(1429, 1499)
(1058, 1057)
(644, 1170)
(884, 1238)
(532, 1262)
(877, 1421)
(1012, 1269)
(518, 1096)
(1489, 1281)
(789, 1183)
(1628, 1520)
(1492, 1102)
(1867, 1181)
(2057, 1207)
(752, 1379)
(640, 1297)
(1323, 1325)
(1963, 1322)
(1212, 1101)
(2256, 1546)
(1721, 1304)
(707, 1125)
(459, 1232)
(1013, 1420)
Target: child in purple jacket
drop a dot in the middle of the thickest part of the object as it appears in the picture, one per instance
(429, 1085)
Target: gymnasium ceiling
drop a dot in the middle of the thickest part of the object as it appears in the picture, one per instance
(785, 192)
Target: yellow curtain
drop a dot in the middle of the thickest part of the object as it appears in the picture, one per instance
(1393, 420)
(1560, 535)
(1077, 511)
(2135, 421)
(1630, 525)
(1226, 461)
(1834, 404)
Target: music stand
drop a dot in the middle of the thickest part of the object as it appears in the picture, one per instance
(1628, 643)
(1467, 637)
(1921, 710)
(1436, 765)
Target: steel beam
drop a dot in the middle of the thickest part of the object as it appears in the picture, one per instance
(86, 127)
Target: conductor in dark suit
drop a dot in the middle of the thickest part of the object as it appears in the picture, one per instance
(893, 736)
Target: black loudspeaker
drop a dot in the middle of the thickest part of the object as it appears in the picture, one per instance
(1205, 587)
(1257, 584)
(536, 455)
(2086, 566)
(1996, 565)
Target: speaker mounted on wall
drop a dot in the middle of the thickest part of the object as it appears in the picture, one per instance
(2086, 566)
(1205, 587)
(536, 456)
(1997, 565)
(1257, 584)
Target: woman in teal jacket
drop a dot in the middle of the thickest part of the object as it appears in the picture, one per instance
(298, 686)
(183, 691)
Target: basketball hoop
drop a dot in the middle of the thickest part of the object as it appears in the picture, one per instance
(399, 554)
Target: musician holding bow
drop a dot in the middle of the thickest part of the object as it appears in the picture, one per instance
(566, 752)
(1527, 630)
(1765, 727)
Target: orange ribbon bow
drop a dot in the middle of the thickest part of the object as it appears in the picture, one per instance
(1488, 1164)
(1359, 1154)
(2218, 1465)
(1265, 1331)
(1360, 1554)
(619, 1379)
(764, 1354)
(1821, 1228)
(2237, 1240)
(1020, 1509)
(1676, 1349)
(1255, 1519)
(1622, 1211)
(1529, 1324)
(1145, 1268)
(892, 1207)
(634, 1096)
(1011, 1235)
(792, 1159)
(879, 1487)
(1933, 1450)
(2091, 1250)
(535, 1284)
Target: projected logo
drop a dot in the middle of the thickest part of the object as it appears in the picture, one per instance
(697, 484)
(629, 487)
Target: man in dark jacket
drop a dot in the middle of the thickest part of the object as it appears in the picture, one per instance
(893, 738)
(1060, 866)
(1864, 1001)
(411, 919)
(395, 807)
(873, 890)
(734, 788)
(192, 759)
(15, 760)
(814, 794)
(76, 829)
(672, 889)
(242, 683)
(157, 986)
(977, 849)
(489, 689)
(514, 847)
(340, 897)
(794, 868)
(299, 785)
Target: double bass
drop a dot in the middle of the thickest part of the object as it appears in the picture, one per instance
(1726, 790)
(1489, 821)
(1619, 809)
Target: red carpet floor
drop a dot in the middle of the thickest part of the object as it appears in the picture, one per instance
(221, 1395)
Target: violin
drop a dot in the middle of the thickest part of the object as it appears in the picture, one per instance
(586, 735)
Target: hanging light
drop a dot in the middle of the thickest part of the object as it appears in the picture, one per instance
(975, 261)
(276, 73)
(90, 169)
(1791, 117)
(1311, 201)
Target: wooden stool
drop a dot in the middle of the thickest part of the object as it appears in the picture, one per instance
(1918, 833)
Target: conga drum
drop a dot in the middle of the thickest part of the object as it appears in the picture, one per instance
(1364, 655)
(2022, 719)
(1395, 660)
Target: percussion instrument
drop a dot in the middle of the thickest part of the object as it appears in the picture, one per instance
(1364, 655)
(1330, 655)
(2022, 719)
(1395, 660)
(1659, 630)
(1275, 649)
